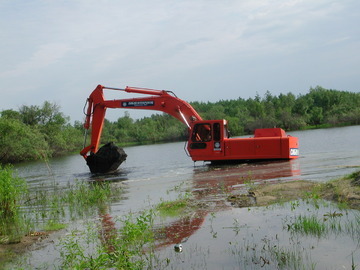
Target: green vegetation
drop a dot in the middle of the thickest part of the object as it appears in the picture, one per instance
(131, 241)
(11, 190)
(308, 225)
(173, 208)
(54, 226)
(345, 191)
(46, 209)
(77, 200)
(122, 248)
(38, 132)
(332, 222)
(319, 108)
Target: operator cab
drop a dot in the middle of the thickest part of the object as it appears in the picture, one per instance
(206, 140)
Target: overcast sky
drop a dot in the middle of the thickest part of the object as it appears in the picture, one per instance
(203, 50)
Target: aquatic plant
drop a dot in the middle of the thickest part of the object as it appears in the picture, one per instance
(270, 254)
(172, 208)
(53, 225)
(307, 225)
(176, 207)
(12, 190)
(118, 249)
(77, 200)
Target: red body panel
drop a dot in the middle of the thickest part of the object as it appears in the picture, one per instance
(270, 143)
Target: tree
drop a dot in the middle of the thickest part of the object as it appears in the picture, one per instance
(20, 142)
(316, 116)
(11, 114)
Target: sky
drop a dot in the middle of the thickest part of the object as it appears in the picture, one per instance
(203, 50)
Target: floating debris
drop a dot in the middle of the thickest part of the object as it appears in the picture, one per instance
(178, 247)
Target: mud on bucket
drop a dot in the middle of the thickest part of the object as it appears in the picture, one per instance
(108, 158)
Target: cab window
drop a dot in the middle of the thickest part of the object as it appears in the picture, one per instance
(201, 133)
(217, 132)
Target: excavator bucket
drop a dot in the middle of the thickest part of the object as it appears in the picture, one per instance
(107, 159)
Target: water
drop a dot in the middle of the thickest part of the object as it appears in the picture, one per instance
(151, 172)
(324, 154)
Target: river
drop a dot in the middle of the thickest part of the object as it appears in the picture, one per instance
(151, 171)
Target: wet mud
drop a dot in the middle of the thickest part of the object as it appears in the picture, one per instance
(342, 190)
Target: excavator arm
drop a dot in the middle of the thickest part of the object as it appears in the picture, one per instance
(159, 100)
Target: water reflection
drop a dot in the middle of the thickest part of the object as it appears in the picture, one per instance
(238, 174)
(115, 176)
(210, 187)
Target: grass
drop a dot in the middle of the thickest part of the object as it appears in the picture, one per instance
(120, 249)
(344, 191)
(52, 225)
(285, 258)
(307, 225)
(23, 213)
(77, 200)
(12, 189)
(270, 254)
(177, 207)
(172, 208)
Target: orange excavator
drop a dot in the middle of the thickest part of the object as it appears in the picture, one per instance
(208, 140)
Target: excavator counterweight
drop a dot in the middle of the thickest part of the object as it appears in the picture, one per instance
(208, 140)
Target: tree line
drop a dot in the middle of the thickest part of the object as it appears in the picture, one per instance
(35, 132)
(320, 107)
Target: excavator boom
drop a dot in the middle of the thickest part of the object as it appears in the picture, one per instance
(160, 100)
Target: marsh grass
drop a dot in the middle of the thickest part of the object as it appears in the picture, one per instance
(124, 249)
(172, 208)
(76, 200)
(270, 254)
(22, 211)
(332, 222)
(52, 225)
(177, 207)
(12, 189)
(286, 257)
(307, 225)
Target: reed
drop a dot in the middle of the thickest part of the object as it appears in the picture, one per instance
(123, 250)
(308, 225)
(12, 190)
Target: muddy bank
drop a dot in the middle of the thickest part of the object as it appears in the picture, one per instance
(31, 241)
(345, 190)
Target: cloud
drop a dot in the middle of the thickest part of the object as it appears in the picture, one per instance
(191, 45)
(45, 56)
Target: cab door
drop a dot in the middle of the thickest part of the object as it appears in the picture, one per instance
(205, 142)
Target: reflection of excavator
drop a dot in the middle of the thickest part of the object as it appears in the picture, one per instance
(210, 190)
(208, 139)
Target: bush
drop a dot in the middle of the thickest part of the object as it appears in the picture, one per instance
(19, 142)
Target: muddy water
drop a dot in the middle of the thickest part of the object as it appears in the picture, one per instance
(220, 237)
